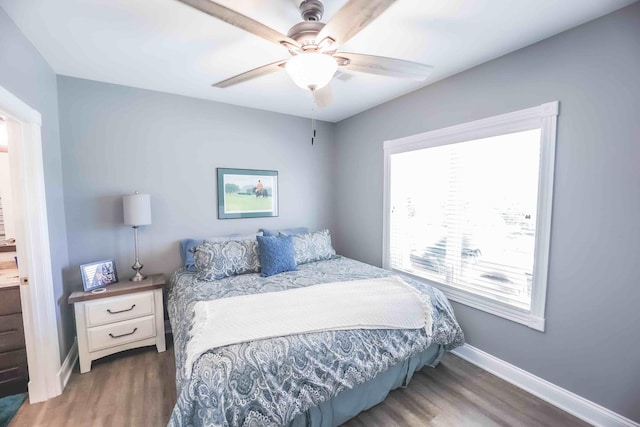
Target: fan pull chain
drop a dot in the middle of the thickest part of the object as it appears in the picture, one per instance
(313, 120)
(313, 130)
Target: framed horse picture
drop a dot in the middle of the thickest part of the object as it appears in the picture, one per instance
(247, 193)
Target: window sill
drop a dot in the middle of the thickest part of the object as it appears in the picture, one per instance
(484, 304)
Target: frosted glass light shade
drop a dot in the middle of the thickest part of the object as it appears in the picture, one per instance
(311, 70)
(136, 209)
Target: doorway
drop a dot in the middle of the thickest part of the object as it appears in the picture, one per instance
(28, 229)
(14, 373)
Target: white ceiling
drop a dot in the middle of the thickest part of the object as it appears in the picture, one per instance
(166, 46)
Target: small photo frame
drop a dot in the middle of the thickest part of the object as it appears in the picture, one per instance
(98, 274)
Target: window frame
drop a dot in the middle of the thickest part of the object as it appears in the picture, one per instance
(543, 117)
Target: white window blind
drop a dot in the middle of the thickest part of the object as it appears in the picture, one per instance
(464, 215)
(463, 211)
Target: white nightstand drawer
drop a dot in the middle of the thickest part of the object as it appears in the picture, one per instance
(119, 333)
(102, 312)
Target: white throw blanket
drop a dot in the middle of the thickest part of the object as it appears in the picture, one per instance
(384, 303)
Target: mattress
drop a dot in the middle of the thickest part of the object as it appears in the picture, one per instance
(297, 379)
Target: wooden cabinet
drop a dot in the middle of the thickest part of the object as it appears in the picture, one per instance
(127, 315)
(14, 374)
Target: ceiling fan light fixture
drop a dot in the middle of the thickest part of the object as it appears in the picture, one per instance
(311, 70)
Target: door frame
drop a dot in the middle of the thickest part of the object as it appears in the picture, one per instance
(32, 245)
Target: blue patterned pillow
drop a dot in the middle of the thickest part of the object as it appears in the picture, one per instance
(314, 246)
(217, 260)
(188, 247)
(276, 254)
(285, 231)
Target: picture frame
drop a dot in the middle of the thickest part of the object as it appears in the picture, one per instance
(98, 274)
(247, 193)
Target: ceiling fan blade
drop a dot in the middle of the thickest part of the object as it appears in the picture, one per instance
(351, 19)
(241, 21)
(323, 97)
(252, 74)
(386, 66)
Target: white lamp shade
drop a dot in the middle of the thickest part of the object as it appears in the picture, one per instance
(137, 209)
(311, 70)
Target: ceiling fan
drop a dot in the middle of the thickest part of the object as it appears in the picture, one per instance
(313, 45)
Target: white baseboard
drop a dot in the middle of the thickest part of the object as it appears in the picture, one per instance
(67, 366)
(564, 399)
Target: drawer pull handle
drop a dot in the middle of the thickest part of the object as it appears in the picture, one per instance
(9, 332)
(124, 335)
(15, 368)
(10, 380)
(121, 311)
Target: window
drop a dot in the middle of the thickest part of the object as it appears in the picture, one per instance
(4, 181)
(468, 208)
(4, 137)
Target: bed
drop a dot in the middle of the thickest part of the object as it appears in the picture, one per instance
(313, 379)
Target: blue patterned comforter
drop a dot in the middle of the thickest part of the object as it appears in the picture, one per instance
(268, 382)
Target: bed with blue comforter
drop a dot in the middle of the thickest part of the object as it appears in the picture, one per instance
(321, 378)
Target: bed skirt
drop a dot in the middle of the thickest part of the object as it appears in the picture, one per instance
(350, 403)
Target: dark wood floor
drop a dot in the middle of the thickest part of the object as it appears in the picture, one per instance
(137, 388)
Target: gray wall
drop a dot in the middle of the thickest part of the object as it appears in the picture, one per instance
(117, 139)
(26, 74)
(591, 344)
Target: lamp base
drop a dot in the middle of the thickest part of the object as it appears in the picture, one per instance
(138, 276)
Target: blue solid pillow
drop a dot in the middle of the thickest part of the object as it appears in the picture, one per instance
(285, 231)
(276, 255)
(187, 255)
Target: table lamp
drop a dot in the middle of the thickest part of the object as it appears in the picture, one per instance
(137, 212)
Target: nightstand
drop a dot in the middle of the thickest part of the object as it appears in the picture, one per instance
(14, 373)
(126, 315)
